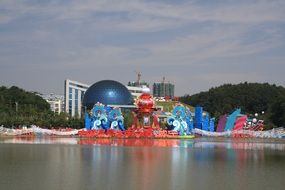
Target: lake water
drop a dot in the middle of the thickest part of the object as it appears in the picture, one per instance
(201, 163)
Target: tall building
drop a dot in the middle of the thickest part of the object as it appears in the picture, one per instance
(163, 89)
(55, 101)
(73, 96)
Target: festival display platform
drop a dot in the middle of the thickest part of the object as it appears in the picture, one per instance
(108, 122)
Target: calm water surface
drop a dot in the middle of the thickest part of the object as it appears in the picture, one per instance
(202, 163)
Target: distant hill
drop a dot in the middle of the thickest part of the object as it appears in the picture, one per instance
(16, 99)
(250, 97)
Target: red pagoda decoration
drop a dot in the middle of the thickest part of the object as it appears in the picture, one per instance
(144, 114)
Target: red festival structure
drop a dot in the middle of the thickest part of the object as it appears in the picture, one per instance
(143, 115)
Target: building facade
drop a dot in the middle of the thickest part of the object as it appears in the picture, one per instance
(138, 83)
(56, 102)
(136, 88)
(73, 96)
(74, 92)
(163, 89)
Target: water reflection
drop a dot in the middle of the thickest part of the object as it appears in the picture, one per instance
(204, 143)
(38, 140)
(74, 163)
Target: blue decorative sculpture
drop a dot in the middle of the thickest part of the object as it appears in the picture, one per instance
(99, 117)
(198, 117)
(205, 123)
(212, 125)
(116, 119)
(189, 121)
(180, 120)
(103, 117)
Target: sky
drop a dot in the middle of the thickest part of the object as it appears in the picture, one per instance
(194, 44)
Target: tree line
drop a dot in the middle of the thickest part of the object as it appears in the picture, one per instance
(250, 97)
(19, 107)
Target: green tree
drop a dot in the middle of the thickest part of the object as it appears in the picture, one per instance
(278, 112)
(250, 97)
(128, 119)
(18, 107)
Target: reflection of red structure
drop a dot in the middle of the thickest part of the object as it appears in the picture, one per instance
(132, 142)
(143, 116)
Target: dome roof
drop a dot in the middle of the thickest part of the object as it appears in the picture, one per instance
(107, 92)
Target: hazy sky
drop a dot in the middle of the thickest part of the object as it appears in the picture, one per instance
(194, 44)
